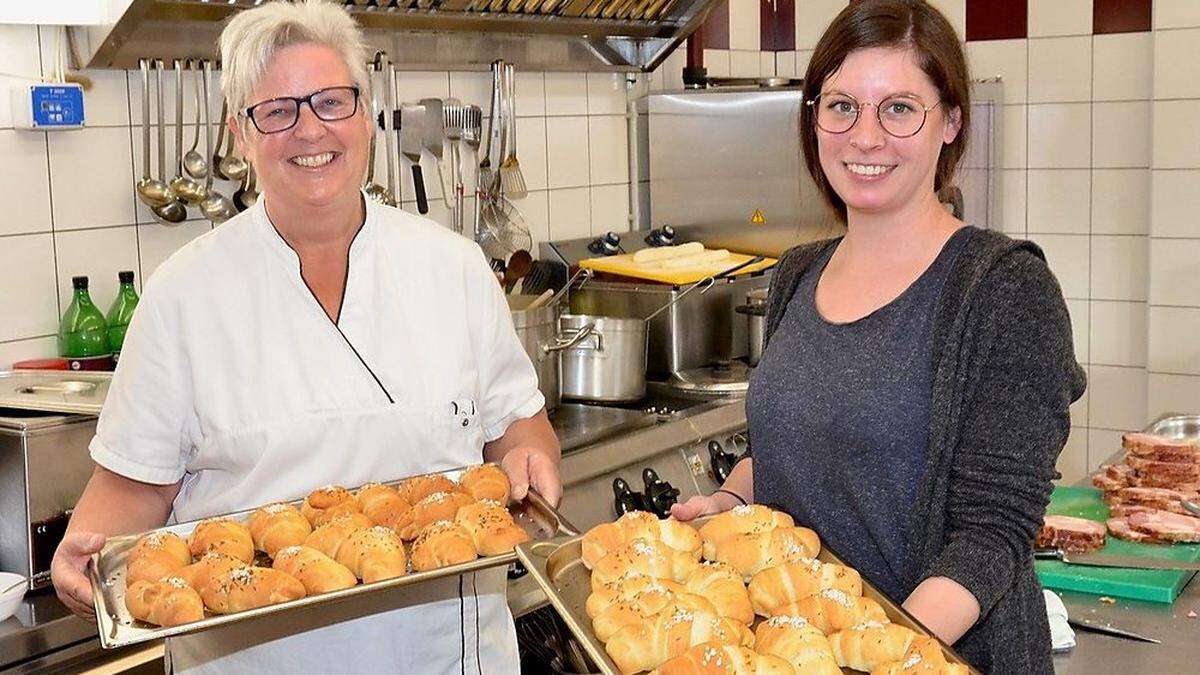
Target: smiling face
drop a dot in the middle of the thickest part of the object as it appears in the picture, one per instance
(871, 170)
(315, 164)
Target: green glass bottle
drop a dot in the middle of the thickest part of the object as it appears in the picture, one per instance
(120, 313)
(83, 333)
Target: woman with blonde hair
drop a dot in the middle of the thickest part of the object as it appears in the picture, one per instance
(316, 338)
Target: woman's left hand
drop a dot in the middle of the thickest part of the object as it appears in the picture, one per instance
(529, 467)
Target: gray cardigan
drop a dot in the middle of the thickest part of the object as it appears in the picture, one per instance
(1004, 376)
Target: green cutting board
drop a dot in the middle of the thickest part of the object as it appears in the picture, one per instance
(1153, 585)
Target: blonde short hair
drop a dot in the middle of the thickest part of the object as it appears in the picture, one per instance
(251, 38)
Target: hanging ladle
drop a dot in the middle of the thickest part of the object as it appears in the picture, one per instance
(184, 187)
(174, 211)
(151, 191)
(193, 161)
(216, 206)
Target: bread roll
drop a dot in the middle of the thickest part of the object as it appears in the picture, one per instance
(374, 554)
(870, 645)
(329, 537)
(777, 586)
(643, 557)
(155, 556)
(752, 552)
(434, 507)
(672, 632)
(743, 519)
(831, 610)
(384, 506)
(223, 536)
(642, 608)
(627, 589)
(327, 503)
(723, 587)
(277, 526)
(167, 602)
(794, 640)
(711, 658)
(318, 572)
(660, 253)
(212, 565)
(608, 537)
(924, 657)
(250, 588)
(442, 544)
(487, 481)
(417, 488)
(491, 527)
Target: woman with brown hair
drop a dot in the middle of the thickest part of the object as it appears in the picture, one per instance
(914, 391)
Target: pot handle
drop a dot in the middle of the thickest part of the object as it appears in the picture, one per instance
(706, 283)
(582, 334)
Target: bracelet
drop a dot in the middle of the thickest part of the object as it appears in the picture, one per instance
(734, 495)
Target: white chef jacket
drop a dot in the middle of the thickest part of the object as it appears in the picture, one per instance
(233, 379)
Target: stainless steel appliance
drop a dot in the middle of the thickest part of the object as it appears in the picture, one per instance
(44, 466)
(603, 357)
(537, 328)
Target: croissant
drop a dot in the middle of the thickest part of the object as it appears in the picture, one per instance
(721, 585)
(751, 553)
(374, 554)
(801, 644)
(441, 544)
(832, 610)
(608, 537)
(155, 556)
(487, 481)
(325, 504)
(744, 520)
(169, 602)
(250, 588)
(417, 488)
(673, 631)
(712, 658)
(278, 526)
(223, 536)
(384, 505)
(491, 527)
(643, 607)
(210, 566)
(870, 645)
(318, 572)
(435, 507)
(627, 589)
(787, 583)
(643, 557)
(924, 657)
(329, 537)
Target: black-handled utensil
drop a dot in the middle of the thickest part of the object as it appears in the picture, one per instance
(1104, 629)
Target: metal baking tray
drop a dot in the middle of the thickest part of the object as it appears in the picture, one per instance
(118, 629)
(54, 390)
(1172, 425)
(557, 565)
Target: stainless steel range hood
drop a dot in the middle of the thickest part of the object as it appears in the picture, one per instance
(599, 35)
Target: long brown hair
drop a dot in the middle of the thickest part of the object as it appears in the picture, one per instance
(911, 24)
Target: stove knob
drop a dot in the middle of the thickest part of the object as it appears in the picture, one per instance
(626, 499)
(664, 236)
(659, 493)
(609, 244)
(721, 462)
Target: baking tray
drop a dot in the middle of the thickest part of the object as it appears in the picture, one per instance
(557, 565)
(62, 391)
(118, 629)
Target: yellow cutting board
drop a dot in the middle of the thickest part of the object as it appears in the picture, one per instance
(654, 271)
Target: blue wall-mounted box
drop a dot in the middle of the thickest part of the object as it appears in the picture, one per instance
(47, 107)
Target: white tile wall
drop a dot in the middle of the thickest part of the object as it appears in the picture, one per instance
(1119, 267)
(955, 12)
(609, 153)
(571, 212)
(1176, 145)
(99, 254)
(1173, 344)
(1120, 201)
(1073, 460)
(1060, 17)
(1174, 262)
(1060, 136)
(1175, 203)
(1118, 331)
(1007, 59)
(1012, 211)
(1176, 68)
(606, 93)
(1123, 67)
(566, 94)
(567, 150)
(24, 186)
(92, 173)
(1118, 397)
(1059, 200)
(1068, 257)
(1173, 393)
(610, 208)
(29, 303)
(1121, 136)
(1060, 69)
(744, 64)
(744, 22)
(1176, 14)
(812, 16)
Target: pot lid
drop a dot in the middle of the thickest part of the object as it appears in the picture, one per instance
(727, 378)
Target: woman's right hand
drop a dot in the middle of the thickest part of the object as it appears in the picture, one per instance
(703, 505)
(67, 571)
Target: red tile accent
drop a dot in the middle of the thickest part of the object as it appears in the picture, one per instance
(785, 25)
(716, 28)
(997, 20)
(766, 25)
(1120, 16)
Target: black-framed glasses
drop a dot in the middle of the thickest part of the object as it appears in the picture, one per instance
(280, 114)
(900, 116)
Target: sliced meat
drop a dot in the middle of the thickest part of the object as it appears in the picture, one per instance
(1152, 444)
(1119, 528)
(1113, 476)
(1121, 511)
(1167, 526)
(1073, 535)
(1189, 470)
(1155, 497)
(1104, 482)
(1182, 485)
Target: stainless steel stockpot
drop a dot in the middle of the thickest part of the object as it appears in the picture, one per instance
(603, 357)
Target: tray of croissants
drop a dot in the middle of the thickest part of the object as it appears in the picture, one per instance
(746, 592)
(333, 544)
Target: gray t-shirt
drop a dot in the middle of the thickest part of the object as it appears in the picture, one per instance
(838, 419)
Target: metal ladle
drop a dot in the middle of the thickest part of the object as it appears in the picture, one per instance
(174, 211)
(151, 191)
(374, 191)
(246, 194)
(216, 206)
(182, 185)
(233, 166)
(193, 161)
